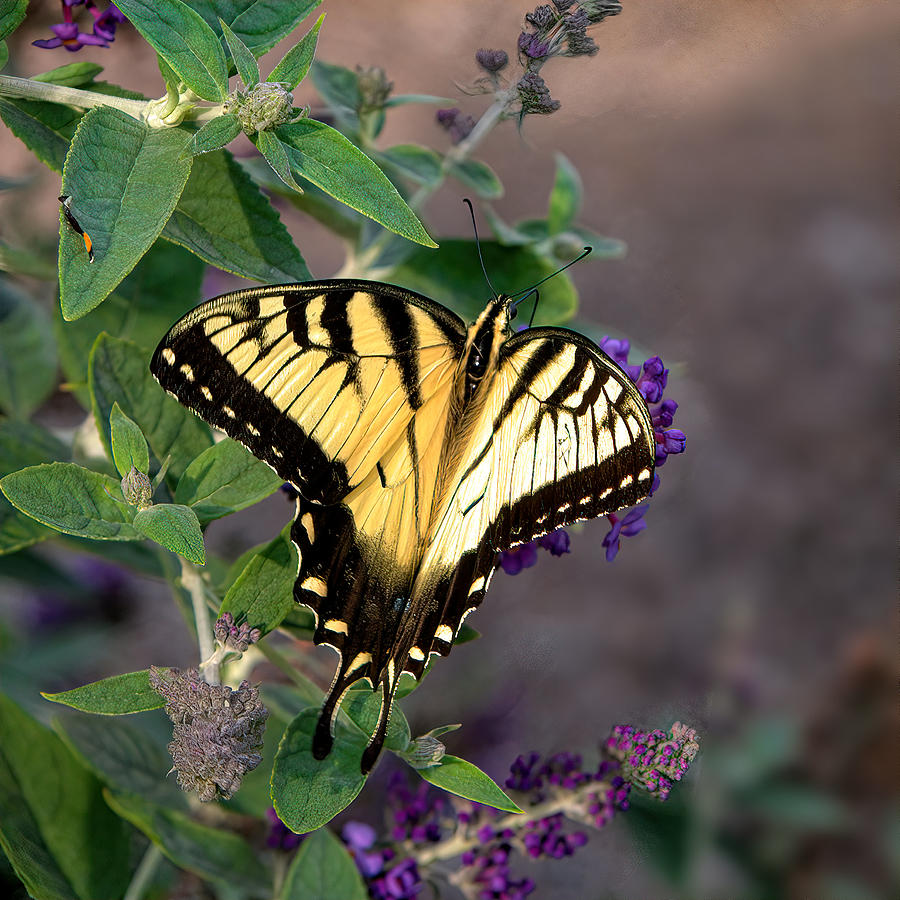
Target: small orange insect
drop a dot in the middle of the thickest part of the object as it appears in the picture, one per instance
(66, 201)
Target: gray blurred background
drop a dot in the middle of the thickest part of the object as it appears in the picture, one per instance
(745, 152)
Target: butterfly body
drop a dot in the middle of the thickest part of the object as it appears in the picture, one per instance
(420, 449)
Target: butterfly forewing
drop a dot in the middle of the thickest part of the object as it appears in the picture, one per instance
(317, 382)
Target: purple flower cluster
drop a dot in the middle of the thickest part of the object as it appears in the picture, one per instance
(653, 760)
(386, 879)
(416, 813)
(69, 35)
(488, 872)
(525, 555)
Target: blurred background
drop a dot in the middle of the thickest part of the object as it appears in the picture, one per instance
(745, 152)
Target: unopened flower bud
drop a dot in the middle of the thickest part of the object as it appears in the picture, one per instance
(262, 107)
(137, 490)
(492, 60)
(424, 751)
(374, 88)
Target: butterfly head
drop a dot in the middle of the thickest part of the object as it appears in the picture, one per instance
(482, 351)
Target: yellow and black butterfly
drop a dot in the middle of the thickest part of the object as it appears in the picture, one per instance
(420, 449)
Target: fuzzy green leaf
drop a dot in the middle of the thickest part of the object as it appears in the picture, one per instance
(27, 353)
(244, 60)
(466, 780)
(117, 372)
(223, 479)
(308, 792)
(480, 177)
(54, 827)
(339, 88)
(214, 135)
(185, 41)
(71, 499)
(565, 197)
(451, 275)
(294, 65)
(161, 288)
(263, 594)
(260, 24)
(129, 447)
(323, 869)
(322, 155)
(44, 128)
(174, 527)
(12, 12)
(75, 74)
(128, 755)
(119, 695)
(224, 218)
(215, 854)
(276, 156)
(143, 174)
(24, 444)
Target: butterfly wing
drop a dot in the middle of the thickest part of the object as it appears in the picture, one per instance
(319, 380)
(564, 435)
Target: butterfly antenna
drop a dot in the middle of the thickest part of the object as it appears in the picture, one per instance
(468, 203)
(526, 292)
(537, 298)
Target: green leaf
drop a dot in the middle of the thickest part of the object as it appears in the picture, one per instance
(308, 792)
(796, 806)
(12, 12)
(479, 176)
(32, 262)
(261, 24)
(44, 128)
(214, 854)
(339, 88)
(294, 65)
(174, 527)
(263, 594)
(602, 247)
(565, 197)
(451, 275)
(118, 373)
(54, 827)
(276, 156)
(466, 780)
(129, 448)
(244, 61)
(214, 135)
(363, 706)
(4, 55)
(23, 444)
(223, 479)
(404, 99)
(325, 157)
(223, 217)
(126, 755)
(142, 174)
(323, 869)
(415, 162)
(71, 499)
(27, 353)
(181, 37)
(163, 286)
(119, 695)
(75, 74)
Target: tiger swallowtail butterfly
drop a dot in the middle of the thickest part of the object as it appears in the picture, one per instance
(420, 449)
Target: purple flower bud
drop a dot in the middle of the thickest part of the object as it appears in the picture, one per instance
(629, 525)
(557, 542)
(541, 17)
(280, 837)
(458, 125)
(358, 835)
(491, 60)
(289, 491)
(532, 46)
(523, 557)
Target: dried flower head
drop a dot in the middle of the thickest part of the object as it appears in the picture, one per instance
(137, 489)
(374, 88)
(262, 107)
(456, 123)
(217, 731)
(535, 95)
(492, 60)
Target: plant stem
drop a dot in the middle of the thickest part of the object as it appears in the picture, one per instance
(143, 873)
(28, 89)
(192, 582)
(362, 263)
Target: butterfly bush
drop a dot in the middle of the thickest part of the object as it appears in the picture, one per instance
(202, 211)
